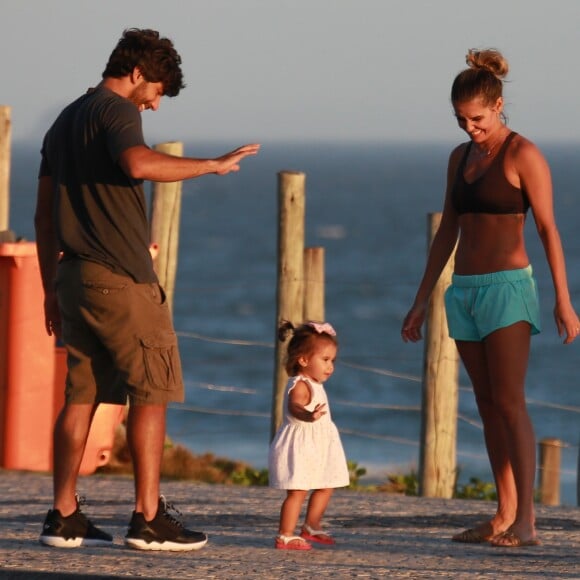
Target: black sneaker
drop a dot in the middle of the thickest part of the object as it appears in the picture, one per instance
(73, 531)
(163, 532)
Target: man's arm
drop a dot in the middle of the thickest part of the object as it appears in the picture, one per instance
(48, 252)
(141, 162)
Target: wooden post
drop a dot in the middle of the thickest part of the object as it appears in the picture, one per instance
(5, 139)
(437, 457)
(164, 228)
(550, 457)
(313, 284)
(290, 285)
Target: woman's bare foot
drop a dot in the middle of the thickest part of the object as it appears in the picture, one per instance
(484, 532)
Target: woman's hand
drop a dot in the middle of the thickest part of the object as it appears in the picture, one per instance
(411, 329)
(567, 322)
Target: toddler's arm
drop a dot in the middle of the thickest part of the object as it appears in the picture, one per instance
(298, 399)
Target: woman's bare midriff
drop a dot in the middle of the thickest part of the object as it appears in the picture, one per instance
(490, 243)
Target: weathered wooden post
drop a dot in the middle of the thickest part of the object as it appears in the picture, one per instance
(5, 139)
(550, 459)
(164, 228)
(437, 459)
(290, 284)
(313, 284)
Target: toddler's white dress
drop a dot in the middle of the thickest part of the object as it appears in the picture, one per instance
(307, 455)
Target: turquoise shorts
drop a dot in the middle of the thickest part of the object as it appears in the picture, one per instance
(477, 305)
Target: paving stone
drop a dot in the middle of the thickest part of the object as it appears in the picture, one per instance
(378, 536)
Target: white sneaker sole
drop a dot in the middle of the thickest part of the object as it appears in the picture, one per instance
(164, 546)
(58, 542)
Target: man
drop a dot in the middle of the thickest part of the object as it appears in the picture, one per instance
(102, 296)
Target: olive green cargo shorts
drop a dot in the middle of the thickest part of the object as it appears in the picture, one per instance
(119, 338)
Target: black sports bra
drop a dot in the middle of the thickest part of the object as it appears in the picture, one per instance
(490, 192)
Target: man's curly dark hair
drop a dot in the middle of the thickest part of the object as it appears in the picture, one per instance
(155, 57)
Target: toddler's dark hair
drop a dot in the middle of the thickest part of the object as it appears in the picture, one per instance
(302, 343)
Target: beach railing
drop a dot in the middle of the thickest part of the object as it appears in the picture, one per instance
(5, 137)
(300, 296)
(164, 224)
(300, 277)
(440, 392)
(550, 451)
(290, 276)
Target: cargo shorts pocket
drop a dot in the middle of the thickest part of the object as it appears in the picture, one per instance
(103, 294)
(161, 360)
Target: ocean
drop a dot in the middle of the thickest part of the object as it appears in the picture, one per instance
(367, 205)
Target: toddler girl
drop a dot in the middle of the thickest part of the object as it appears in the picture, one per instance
(306, 453)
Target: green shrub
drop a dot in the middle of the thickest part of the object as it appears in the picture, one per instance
(250, 476)
(403, 483)
(475, 489)
(354, 473)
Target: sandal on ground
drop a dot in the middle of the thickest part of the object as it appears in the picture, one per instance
(291, 543)
(319, 536)
(509, 539)
(472, 536)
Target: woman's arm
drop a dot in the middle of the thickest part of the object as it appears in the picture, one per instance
(536, 181)
(439, 253)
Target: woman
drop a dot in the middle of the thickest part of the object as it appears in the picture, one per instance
(492, 304)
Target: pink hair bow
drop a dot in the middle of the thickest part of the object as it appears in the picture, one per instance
(322, 327)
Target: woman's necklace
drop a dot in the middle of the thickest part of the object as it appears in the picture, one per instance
(488, 151)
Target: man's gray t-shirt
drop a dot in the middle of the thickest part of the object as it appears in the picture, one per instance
(100, 212)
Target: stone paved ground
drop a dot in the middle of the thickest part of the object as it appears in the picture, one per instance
(379, 536)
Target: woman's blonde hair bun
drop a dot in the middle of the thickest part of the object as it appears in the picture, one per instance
(488, 59)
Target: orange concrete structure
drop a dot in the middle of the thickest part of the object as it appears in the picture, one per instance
(107, 417)
(33, 372)
(26, 363)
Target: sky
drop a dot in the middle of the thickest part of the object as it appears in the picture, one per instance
(300, 70)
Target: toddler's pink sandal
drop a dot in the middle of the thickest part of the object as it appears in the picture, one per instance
(291, 543)
(319, 536)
